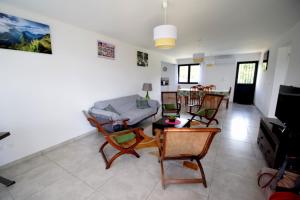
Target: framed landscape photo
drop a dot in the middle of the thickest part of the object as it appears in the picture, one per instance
(21, 34)
(106, 50)
(142, 59)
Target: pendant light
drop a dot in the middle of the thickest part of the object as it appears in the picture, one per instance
(198, 57)
(165, 35)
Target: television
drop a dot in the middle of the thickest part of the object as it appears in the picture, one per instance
(288, 106)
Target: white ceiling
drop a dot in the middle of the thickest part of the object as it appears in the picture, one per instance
(210, 26)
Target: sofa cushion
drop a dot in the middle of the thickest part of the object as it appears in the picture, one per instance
(142, 103)
(136, 115)
(127, 107)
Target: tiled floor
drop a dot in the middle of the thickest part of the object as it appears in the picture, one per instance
(76, 170)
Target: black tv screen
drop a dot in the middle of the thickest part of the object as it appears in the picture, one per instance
(288, 105)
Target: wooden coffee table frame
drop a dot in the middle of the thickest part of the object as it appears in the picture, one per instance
(161, 124)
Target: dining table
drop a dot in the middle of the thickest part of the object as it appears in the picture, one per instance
(185, 93)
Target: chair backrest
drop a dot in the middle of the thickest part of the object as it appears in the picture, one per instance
(169, 98)
(199, 86)
(93, 121)
(211, 101)
(187, 142)
(212, 87)
(228, 96)
(194, 92)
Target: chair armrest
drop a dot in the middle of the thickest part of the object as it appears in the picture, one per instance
(124, 121)
(94, 119)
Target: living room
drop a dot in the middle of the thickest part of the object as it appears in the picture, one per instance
(43, 94)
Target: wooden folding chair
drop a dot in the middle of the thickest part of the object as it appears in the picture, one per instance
(208, 109)
(184, 144)
(124, 141)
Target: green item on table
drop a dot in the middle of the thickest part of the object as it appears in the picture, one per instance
(124, 138)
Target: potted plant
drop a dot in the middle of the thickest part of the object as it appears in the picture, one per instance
(172, 118)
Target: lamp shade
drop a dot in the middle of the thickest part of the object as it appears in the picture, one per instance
(147, 87)
(165, 36)
(198, 57)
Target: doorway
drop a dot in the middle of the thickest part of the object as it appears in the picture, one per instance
(245, 82)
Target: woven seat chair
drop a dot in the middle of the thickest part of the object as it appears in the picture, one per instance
(124, 141)
(212, 87)
(170, 104)
(184, 144)
(194, 95)
(208, 109)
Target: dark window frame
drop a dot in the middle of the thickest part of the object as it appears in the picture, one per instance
(189, 73)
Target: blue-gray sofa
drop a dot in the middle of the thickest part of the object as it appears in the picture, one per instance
(125, 107)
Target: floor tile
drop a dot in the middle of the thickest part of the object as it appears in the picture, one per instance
(131, 184)
(178, 192)
(66, 188)
(21, 168)
(35, 180)
(72, 155)
(238, 165)
(77, 171)
(229, 186)
(5, 195)
(96, 196)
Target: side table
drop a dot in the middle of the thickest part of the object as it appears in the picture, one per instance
(3, 180)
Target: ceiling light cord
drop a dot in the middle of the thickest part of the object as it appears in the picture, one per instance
(165, 5)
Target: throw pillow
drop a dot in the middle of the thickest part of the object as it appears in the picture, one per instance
(111, 109)
(142, 103)
(170, 106)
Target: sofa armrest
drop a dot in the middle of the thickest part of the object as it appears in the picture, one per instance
(105, 115)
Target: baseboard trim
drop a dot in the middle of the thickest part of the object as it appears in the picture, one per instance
(44, 151)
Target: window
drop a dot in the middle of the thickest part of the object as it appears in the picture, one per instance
(246, 73)
(189, 73)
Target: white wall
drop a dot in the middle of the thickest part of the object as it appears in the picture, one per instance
(171, 74)
(42, 96)
(282, 63)
(267, 85)
(223, 73)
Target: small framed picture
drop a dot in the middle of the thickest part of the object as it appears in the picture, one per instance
(106, 50)
(265, 61)
(142, 59)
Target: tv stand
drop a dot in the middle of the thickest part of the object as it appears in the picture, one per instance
(281, 127)
(272, 141)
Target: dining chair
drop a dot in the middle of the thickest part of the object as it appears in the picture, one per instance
(208, 109)
(184, 144)
(124, 141)
(170, 104)
(194, 95)
(212, 87)
(227, 98)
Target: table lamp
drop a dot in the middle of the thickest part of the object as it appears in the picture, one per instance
(147, 87)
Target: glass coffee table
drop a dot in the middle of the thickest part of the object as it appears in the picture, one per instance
(162, 124)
